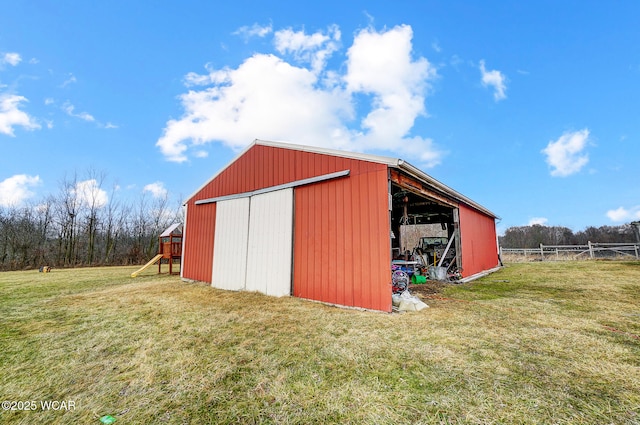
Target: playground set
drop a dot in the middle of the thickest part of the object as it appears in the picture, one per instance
(169, 249)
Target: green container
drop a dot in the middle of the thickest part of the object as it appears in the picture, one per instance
(417, 279)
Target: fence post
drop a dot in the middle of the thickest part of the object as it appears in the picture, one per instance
(590, 250)
(541, 252)
(635, 247)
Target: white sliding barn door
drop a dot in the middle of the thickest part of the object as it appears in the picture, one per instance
(269, 255)
(253, 243)
(230, 244)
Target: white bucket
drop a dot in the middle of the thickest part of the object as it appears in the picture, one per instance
(437, 273)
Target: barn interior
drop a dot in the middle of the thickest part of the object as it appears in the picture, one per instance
(424, 229)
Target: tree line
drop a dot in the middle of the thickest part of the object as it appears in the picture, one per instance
(534, 235)
(83, 225)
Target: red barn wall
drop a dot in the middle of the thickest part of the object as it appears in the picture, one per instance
(198, 242)
(341, 230)
(341, 240)
(479, 243)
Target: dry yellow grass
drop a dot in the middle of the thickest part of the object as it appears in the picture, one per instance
(532, 344)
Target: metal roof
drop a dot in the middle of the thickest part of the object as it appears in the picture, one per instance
(397, 163)
(167, 232)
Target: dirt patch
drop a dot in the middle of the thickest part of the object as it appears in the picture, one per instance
(427, 289)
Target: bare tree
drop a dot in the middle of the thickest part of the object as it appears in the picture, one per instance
(23, 237)
(140, 223)
(43, 217)
(66, 212)
(81, 224)
(92, 198)
(114, 219)
(533, 236)
(4, 238)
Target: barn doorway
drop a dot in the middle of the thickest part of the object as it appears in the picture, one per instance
(424, 226)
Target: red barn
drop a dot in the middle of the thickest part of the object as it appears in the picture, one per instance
(321, 224)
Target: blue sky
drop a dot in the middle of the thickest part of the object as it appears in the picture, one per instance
(531, 109)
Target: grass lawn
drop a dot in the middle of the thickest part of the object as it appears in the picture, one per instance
(535, 343)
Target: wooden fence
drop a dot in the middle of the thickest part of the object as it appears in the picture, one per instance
(592, 250)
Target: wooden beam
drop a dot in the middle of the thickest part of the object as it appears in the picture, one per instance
(417, 187)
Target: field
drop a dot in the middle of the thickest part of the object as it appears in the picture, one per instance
(535, 343)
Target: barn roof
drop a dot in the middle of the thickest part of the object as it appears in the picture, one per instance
(396, 163)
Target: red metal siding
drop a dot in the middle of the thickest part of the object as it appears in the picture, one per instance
(198, 242)
(264, 166)
(341, 239)
(479, 243)
(341, 235)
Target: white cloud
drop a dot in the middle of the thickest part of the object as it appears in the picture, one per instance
(12, 59)
(88, 193)
(261, 98)
(624, 214)
(49, 101)
(108, 125)
(11, 115)
(195, 79)
(380, 65)
(456, 61)
(269, 98)
(85, 116)
(69, 109)
(538, 220)
(496, 79)
(314, 49)
(70, 80)
(157, 189)
(16, 189)
(565, 155)
(254, 30)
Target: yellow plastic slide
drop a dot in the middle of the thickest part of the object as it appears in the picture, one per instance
(151, 262)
